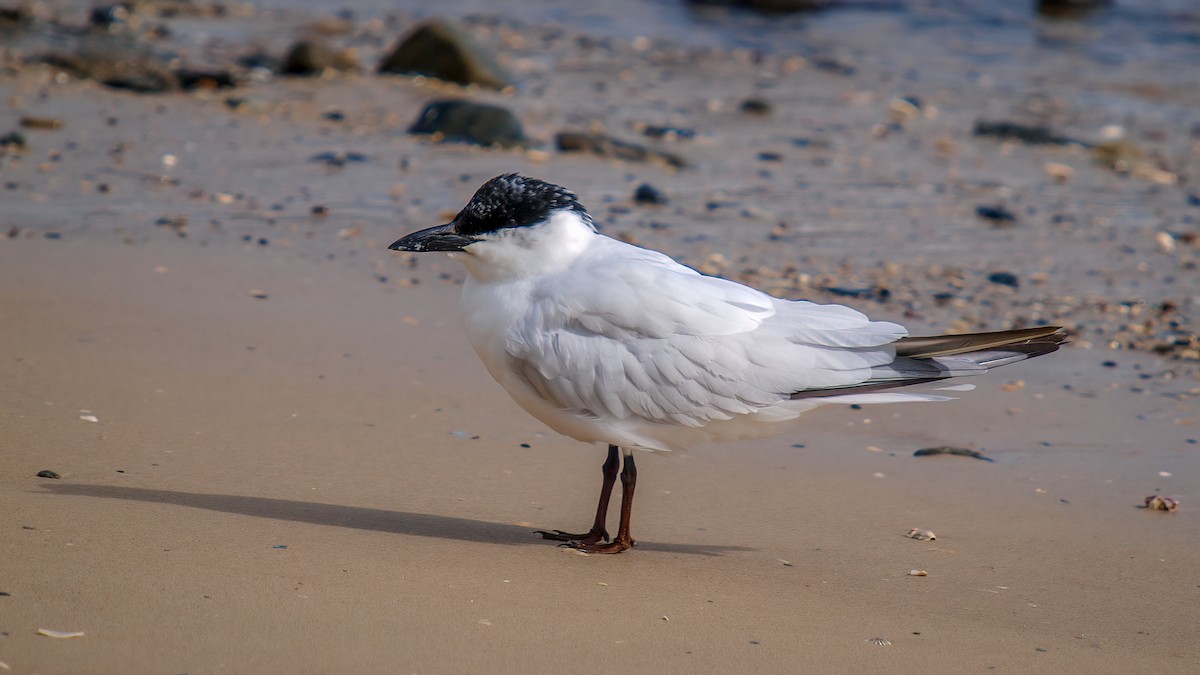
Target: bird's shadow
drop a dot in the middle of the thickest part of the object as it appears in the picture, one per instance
(356, 517)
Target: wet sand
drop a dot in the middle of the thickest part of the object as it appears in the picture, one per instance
(298, 464)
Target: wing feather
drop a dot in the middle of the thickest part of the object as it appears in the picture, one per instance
(638, 335)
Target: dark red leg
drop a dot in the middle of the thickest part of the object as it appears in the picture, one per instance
(598, 532)
(623, 540)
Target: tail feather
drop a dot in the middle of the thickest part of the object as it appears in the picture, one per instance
(947, 345)
(929, 359)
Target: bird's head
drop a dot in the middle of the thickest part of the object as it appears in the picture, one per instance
(513, 223)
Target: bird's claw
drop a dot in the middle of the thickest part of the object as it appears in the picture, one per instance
(590, 537)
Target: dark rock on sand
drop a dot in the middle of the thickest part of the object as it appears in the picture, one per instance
(116, 62)
(338, 159)
(205, 79)
(996, 215)
(672, 133)
(47, 473)
(1070, 9)
(949, 450)
(466, 122)
(648, 194)
(1004, 279)
(1013, 131)
(771, 6)
(110, 17)
(756, 106)
(13, 142)
(443, 49)
(13, 19)
(313, 57)
(607, 146)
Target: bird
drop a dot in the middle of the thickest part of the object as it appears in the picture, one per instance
(607, 342)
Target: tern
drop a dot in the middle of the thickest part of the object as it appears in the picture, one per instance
(607, 342)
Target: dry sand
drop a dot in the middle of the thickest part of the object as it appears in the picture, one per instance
(298, 465)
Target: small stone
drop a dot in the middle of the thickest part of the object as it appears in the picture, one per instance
(457, 121)
(1060, 173)
(921, 535)
(996, 215)
(13, 141)
(314, 57)
(648, 194)
(48, 473)
(756, 106)
(1004, 279)
(950, 450)
(607, 146)
(1012, 131)
(44, 123)
(442, 49)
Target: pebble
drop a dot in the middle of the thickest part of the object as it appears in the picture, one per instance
(950, 450)
(997, 215)
(607, 146)
(459, 121)
(48, 473)
(1004, 279)
(313, 57)
(338, 159)
(1013, 131)
(45, 123)
(756, 106)
(442, 49)
(648, 194)
(921, 535)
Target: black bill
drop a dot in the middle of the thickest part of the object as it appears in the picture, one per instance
(440, 238)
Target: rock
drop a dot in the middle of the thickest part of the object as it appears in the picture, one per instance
(756, 106)
(996, 215)
(467, 122)
(13, 142)
(648, 194)
(118, 63)
(1070, 9)
(771, 6)
(48, 473)
(1004, 279)
(607, 146)
(1013, 131)
(832, 65)
(442, 49)
(1121, 155)
(949, 450)
(109, 17)
(14, 19)
(338, 159)
(671, 133)
(205, 79)
(313, 57)
(41, 123)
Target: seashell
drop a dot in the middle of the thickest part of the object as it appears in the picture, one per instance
(1161, 503)
(921, 535)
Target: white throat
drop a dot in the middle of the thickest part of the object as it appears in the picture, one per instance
(519, 252)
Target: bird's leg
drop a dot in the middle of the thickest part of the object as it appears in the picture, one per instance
(598, 532)
(623, 540)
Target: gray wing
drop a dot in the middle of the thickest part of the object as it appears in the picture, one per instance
(646, 337)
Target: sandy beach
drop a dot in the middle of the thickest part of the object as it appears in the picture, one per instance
(278, 454)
